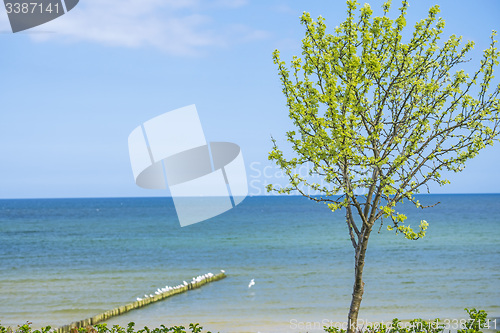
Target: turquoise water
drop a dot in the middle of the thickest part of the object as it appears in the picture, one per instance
(63, 260)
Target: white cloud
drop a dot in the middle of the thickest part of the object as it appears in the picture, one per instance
(178, 27)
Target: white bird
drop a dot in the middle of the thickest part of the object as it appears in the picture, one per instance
(252, 282)
(151, 295)
(139, 299)
(185, 283)
(223, 271)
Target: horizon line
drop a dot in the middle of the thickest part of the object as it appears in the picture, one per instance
(252, 196)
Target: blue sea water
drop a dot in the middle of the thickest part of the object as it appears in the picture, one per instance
(63, 260)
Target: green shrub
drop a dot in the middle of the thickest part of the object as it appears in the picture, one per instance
(103, 328)
(478, 321)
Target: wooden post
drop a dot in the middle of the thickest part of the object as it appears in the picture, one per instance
(141, 303)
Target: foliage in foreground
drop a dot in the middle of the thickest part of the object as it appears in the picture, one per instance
(103, 328)
(478, 321)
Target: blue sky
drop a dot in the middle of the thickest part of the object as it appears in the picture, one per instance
(73, 89)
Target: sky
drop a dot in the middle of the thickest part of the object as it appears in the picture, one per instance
(74, 88)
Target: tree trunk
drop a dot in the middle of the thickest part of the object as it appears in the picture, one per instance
(359, 285)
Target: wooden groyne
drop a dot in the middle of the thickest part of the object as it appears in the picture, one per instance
(159, 295)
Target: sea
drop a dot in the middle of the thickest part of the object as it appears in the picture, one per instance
(64, 260)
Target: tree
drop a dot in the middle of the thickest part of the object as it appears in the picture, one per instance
(375, 114)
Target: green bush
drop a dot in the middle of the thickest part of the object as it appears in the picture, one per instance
(478, 321)
(103, 328)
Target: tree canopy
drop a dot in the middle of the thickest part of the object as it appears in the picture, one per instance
(376, 113)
